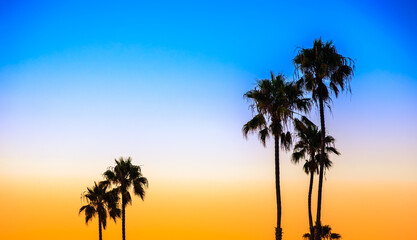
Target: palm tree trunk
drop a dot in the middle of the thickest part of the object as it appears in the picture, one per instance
(123, 218)
(310, 216)
(323, 134)
(99, 228)
(278, 229)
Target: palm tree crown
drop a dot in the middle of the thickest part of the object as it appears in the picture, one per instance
(100, 201)
(275, 101)
(125, 175)
(309, 144)
(323, 68)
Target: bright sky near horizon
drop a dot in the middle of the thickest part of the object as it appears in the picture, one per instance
(82, 83)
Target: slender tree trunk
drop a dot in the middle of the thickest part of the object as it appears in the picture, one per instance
(123, 218)
(323, 134)
(99, 228)
(278, 229)
(310, 216)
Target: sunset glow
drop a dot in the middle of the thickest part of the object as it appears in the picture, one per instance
(84, 83)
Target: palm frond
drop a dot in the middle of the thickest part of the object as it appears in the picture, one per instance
(306, 236)
(109, 175)
(89, 211)
(114, 211)
(286, 140)
(335, 236)
(263, 136)
(256, 123)
(138, 186)
(332, 150)
(298, 155)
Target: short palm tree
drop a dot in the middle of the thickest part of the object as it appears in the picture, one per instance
(274, 101)
(308, 148)
(326, 233)
(125, 176)
(323, 71)
(100, 201)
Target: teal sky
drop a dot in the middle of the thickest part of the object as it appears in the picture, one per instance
(83, 83)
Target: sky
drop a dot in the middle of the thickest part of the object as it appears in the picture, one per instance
(83, 83)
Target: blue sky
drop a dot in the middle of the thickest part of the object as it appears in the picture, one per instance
(252, 36)
(102, 79)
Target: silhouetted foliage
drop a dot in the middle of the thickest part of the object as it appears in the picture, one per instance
(100, 201)
(326, 234)
(308, 147)
(323, 71)
(274, 102)
(123, 177)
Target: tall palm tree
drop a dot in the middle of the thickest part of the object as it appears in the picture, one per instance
(100, 201)
(274, 101)
(323, 71)
(308, 148)
(125, 176)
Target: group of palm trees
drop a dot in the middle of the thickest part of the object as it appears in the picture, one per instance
(276, 103)
(103, 201)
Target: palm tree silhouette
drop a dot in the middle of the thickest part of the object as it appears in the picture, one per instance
(323, 71)
(325, 233)
(100, 202)
(308, 148)
(274, 101)
(124, 176)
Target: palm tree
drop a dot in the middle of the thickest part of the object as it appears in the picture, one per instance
(124, 176)
(323, 71)
(100, 202)
(274, 101)
(308, 148)
(325, 233)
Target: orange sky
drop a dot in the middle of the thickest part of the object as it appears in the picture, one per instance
(222, 210)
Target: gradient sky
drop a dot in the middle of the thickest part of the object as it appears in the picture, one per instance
(83, 83)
